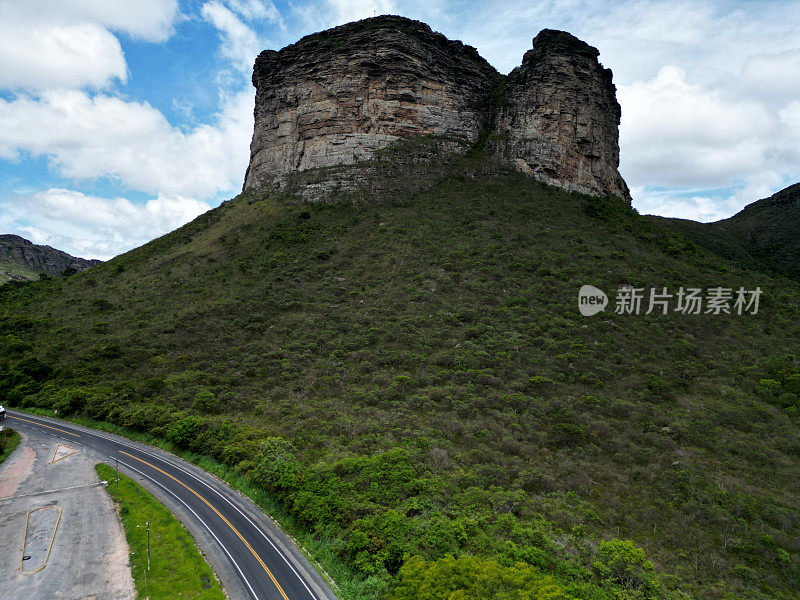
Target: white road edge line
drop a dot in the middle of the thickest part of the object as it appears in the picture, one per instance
(189, 508)
(192, 475)
(249, 520)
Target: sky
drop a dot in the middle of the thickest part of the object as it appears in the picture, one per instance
(121, 120)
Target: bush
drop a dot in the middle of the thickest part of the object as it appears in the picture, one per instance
(68, 401)
(184, 431)
(621, 562)
(277, 468)
(471, 578)
(206, 402)
(768, 387)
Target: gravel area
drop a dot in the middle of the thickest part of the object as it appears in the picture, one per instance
(89, 554)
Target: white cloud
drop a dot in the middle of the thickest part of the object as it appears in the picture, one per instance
(54, 49)
(240, 44)
(773, 75)
(149, 20)
(316, 16)
(353, 10)
(678, 134)
(256, 9)
(790, 118)
(68, 43)
(696, 208)
(87, 137)
(702, 204)
(93, 227)
(59, 56)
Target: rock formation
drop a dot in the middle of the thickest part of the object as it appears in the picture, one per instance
(337, 96)
(561, 117)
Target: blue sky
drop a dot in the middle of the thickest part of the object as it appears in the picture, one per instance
(123, 120)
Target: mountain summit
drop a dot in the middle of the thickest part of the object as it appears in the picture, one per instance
(338, 96)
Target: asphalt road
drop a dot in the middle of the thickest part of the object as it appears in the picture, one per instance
(266, 564)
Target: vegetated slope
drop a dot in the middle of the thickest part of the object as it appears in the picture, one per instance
(409, 375)
(22, 260)
(762, 235)
(11, 270)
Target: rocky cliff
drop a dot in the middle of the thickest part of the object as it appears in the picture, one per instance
(337, 96)
(561, 117)
(21, 259)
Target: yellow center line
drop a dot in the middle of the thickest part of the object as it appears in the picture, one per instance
(43, 425)
(228, 523)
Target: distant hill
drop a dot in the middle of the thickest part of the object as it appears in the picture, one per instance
(22, 260)
(763, 235)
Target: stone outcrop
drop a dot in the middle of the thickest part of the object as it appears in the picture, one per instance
(561, 117)
(336, 97)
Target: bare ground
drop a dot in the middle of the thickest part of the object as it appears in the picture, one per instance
(89, 555)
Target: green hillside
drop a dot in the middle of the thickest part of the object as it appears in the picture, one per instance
(763, 235)
(11, 270)
(409, 376)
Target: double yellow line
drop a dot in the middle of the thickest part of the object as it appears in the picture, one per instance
(219, 514)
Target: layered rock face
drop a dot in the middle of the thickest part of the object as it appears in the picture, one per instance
(337, 96)
(560, 120)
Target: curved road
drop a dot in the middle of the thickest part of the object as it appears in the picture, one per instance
(261, 561)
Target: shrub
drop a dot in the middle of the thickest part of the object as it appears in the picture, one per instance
(206, 402)
(768, 387)
(792, 383)
(471, 578)
(277, 468)
(69, 400)
(185, 430)
(623, 563)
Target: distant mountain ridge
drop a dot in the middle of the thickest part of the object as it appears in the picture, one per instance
(22, 260)
(763, 235)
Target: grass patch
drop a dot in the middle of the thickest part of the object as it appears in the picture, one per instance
(177, 569)
(9, 440)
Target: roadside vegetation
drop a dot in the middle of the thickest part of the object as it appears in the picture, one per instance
(176, 567)
(9, 440)
(408, 379)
